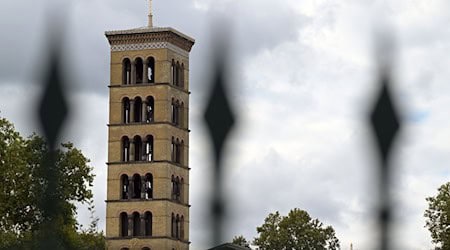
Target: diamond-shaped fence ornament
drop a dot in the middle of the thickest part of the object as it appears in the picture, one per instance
(53, 107)
(384, 120)
(220, 120)
(218, 115)
(385, 124)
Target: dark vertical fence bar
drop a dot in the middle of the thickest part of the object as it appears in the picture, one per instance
(53, 110)
(386, 125)
(220, 120)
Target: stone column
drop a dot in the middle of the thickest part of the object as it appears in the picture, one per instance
(130, 181)
(132, 150)
(145, 80)
(133, 72)
(152, 151)
(141, 152)
(144, 111)
(172, 151)
(142, 187)
(131, 188)
(172, 81)
(131, 111)
(142, 224)
(130, 225)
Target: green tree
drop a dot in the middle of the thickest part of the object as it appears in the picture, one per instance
(297, 230)
(23, 185)
(438, 217)
(241, 241)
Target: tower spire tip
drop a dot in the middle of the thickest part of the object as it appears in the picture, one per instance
(150, 14)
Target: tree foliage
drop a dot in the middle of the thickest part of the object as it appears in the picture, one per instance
(23, 184)
(241, 241)
(438, 217)
(297, 230)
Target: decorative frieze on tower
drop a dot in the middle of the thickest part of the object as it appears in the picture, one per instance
(148, 140)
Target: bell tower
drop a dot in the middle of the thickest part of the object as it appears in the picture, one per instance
(147, 204)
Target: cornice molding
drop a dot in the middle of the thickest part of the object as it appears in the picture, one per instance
(150, 45)
(150, 200)
(143, 238)
(146, 85)
(135, 39)
(131, 163)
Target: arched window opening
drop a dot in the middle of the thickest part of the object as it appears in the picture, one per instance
(136, 224)
(137, 141)
(177, 152)
(126, 110)
(137, 109)
(146, 248)
(149, 186)
(177, 188)
(148, 150)
(172, 71)
(124, 248)
(182, 227)
(177, 109)
(176, 115)
(177, 227)
(181, 111)
(148, 220)
(151, 70)
(123, 224)
(173, 188)
(173, 226)
(182, 75)
(177, 74)
(125, 149)
(125, 186)
(174, 112)
(150, 109)
(172, 150)
(126, 72)
(139, 70)
(137, 186)
(181, 152)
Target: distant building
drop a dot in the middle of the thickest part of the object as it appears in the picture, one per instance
(229, 246)
(147, 206)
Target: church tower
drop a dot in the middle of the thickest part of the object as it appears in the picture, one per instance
(147, 204)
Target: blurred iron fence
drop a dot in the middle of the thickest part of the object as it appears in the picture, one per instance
(219, 117)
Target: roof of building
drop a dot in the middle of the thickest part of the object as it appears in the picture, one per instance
(229, 246)
(146, 29)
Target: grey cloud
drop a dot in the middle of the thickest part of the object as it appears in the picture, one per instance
(314, 86)
(23, 35)
(261, 24)
(87, 51)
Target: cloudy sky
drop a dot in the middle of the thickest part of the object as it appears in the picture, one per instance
(303, 80)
